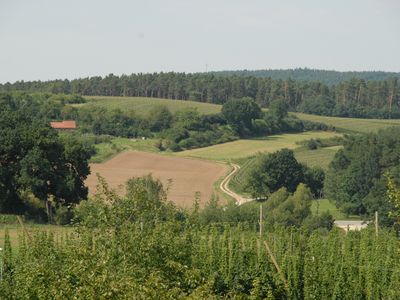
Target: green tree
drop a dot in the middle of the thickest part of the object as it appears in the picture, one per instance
(393, 193)
(273, 171)
(295, 209)
(319, 105)
(355, 178)
(239, 114)
(34, 159)
(160, 118)
(314, 179)
(188, 118)
(278, 110)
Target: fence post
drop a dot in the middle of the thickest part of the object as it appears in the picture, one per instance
(260, 222)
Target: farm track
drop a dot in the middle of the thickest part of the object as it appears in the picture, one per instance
(224, 186)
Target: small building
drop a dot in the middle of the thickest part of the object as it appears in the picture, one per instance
(64, 125)
(348, 225)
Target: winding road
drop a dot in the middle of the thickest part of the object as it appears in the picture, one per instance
(224, 186)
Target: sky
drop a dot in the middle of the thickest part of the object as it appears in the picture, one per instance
(53, 39)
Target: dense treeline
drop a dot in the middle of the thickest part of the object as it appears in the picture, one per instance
(356, 179)
(141, 247)
(327, 77)
(351, 98)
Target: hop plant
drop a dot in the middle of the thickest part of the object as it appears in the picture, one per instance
(393, 193)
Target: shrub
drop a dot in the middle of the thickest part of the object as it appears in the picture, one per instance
(63, 215)
(313, 144)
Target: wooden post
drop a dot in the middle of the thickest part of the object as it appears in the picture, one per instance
(23, 228)
(261, 215)
(291, 242)
(376, 223)
(49, 209)
(271, 255)
(260, 233)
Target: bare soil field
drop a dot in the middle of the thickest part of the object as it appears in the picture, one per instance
(188, 175)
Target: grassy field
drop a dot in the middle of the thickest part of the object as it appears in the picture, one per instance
(248, 147)
(15, 231)
(143, 105)
(238, 181)
(322, 205)
(351, 124)
(105, 151)
(316, 158)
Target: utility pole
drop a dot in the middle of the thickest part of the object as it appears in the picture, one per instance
(376, 223)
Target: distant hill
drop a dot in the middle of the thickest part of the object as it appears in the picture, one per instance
(324, 76)
(369, 96)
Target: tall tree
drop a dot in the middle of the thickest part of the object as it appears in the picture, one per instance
(34, 159)
(273, 171)
(239, 113)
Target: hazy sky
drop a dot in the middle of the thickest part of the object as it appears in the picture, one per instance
(49, 39)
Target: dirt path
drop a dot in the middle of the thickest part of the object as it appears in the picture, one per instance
(224, 186)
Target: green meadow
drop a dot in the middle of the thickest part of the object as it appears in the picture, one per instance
(106, 151)
(320, 157)
(319, 206)
(249, 147)
(351, 124)
(142, 105)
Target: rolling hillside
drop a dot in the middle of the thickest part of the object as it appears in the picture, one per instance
(351, 124)
(248, 147)
(142, 105)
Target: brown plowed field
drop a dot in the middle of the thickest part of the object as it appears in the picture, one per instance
(188, 175)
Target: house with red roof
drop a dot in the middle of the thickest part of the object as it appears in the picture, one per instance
(64, 125)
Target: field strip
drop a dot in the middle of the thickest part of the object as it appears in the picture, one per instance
(224, 186)
(185, 176)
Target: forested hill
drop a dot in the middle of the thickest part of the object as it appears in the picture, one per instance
(351, 98)
(325, 76)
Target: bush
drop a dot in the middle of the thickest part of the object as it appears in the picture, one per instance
(63, 215)
(310, 126)
(8, 219)
(91, 213)
(320, 105)
(159, 145)
(323, 221)
(174, 147)
(313, 144)
(260, 127)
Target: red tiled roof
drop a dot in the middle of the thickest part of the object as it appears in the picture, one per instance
(63, 125)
